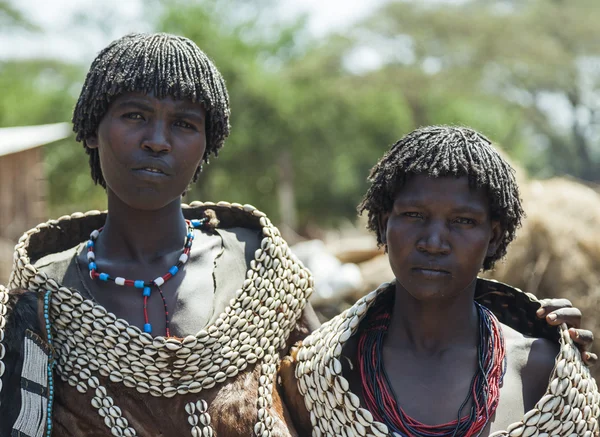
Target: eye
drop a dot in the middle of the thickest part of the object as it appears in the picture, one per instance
(413, 214)
(465, 221)
(184, 124)
(133, 116)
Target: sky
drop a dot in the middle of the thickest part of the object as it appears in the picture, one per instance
(80, 43)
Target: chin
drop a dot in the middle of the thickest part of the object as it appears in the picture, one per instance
(428, 294)
(427, 290)
(149, 200)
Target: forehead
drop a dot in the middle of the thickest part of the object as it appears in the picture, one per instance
(150, 99)
(443, 192)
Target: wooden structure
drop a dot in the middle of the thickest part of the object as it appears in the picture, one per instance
(23, 182)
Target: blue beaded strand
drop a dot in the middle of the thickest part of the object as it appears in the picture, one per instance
(141, 284)
(105, 277)
(196, 223)
(50, 364)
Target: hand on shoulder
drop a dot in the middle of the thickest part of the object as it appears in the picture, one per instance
(293, 399)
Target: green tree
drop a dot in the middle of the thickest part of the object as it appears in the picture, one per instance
(512, 69)
(309, 119)
(11, 18)
(304, 134)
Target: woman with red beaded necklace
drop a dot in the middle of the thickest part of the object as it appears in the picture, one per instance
(438, 351)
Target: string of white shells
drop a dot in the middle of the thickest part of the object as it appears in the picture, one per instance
(570, 407)
(199, 418)
(91, 341)
(113, 417)
(3, 311)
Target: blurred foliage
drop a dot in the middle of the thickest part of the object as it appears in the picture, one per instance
(525, 73)
(286, 98)
(41, 91)
(11, 18)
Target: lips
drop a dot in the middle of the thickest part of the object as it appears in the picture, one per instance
(431, 271)
(431, 268)
(154, 167)
(151, 170)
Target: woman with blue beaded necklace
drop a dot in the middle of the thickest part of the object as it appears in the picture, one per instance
(152, 319)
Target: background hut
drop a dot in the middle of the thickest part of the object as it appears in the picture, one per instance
(23, 183)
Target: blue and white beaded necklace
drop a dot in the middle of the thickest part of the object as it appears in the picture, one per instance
(145, 286)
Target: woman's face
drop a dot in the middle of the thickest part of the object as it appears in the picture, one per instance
(438, 235)
(150, 148)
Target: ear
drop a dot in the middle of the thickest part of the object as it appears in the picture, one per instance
(496, 239)
(91, 142)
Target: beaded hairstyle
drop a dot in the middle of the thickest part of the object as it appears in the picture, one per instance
(163, 64)
(439, 151)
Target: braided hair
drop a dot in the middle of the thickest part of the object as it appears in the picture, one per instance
(438, 151)
(160, 63)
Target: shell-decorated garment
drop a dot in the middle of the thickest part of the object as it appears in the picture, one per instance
(569, 408)
(88, 373)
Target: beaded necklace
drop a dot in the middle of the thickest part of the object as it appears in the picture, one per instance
(380, 399)
(145, 286)
(50, 366)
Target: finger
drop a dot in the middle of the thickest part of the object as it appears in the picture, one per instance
(570, 316)
(549, 305)
(589, 358)
(582, 337)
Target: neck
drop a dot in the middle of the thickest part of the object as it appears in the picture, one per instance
(131, 235)
(433, 326)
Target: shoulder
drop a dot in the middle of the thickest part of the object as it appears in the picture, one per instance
(245, 240)
(55, 265)
(526, 350)
(533, 358)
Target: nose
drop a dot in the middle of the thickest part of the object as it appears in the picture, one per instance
(434, 239)
(157, 140)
